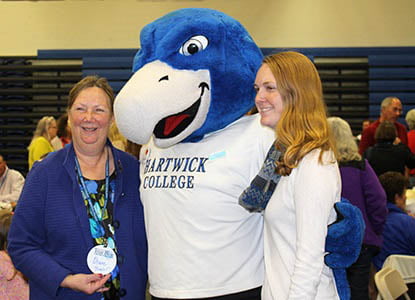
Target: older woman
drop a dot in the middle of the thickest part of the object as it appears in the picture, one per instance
(78, 230)
(41, 145)
(361, 187)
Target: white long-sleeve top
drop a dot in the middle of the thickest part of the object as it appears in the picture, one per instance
(295, 229)
(11, 184)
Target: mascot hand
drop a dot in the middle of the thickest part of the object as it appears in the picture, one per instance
(345, 236)
(343, 243)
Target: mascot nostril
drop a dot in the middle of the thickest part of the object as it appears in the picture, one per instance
(164, 78)
(204, 86)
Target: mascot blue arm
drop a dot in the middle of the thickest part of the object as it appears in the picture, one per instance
(193, 76)
(343, 243)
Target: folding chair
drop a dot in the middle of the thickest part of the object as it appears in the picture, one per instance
(390, 284)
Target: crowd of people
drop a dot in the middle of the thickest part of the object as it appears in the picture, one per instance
(90, 185)
(375, 182)
(79, 231)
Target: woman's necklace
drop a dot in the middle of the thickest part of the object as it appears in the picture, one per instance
(101, 259)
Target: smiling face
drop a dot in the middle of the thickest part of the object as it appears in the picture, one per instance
(268, 99)
(90, 117)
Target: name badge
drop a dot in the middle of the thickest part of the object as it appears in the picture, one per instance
(101, 260)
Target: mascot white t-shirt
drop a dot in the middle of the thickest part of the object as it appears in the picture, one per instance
(190, 195)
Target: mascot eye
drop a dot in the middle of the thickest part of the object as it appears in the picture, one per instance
(193, 45)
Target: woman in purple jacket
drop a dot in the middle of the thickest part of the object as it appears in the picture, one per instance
(362, 188)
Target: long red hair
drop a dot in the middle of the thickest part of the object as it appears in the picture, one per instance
(303, 125)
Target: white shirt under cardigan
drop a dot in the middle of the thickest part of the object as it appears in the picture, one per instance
(11, 184)
(202, 243)
(295, 229)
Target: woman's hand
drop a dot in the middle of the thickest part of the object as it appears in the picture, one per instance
(86, 283)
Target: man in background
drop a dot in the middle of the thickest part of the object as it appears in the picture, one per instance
(11, 183)
(390, 110)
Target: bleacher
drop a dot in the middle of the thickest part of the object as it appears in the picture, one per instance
(355, 81)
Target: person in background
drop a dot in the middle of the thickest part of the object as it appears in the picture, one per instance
(56, 143)
(399, 231)
(290, 99)
(385, 155)
(64, 130)
(365, 124)
(11, 183)
(80, 211)
(410, 121)
(13, 286)
(390, 110)
(362, 188)
(63, 136)
(41, 145)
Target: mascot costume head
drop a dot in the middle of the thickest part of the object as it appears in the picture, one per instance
(193, 76)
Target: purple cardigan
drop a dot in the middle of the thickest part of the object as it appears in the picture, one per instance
(50, 235)
(362, 188)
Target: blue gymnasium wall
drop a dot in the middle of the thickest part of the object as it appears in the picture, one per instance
(391, 70)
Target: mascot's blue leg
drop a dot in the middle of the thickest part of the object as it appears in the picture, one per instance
(343, 243)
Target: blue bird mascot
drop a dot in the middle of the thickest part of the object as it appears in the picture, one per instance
(186, 103)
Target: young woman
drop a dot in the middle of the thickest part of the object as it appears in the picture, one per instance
(289, 98)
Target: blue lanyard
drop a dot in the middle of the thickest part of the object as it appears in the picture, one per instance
(84, 189)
